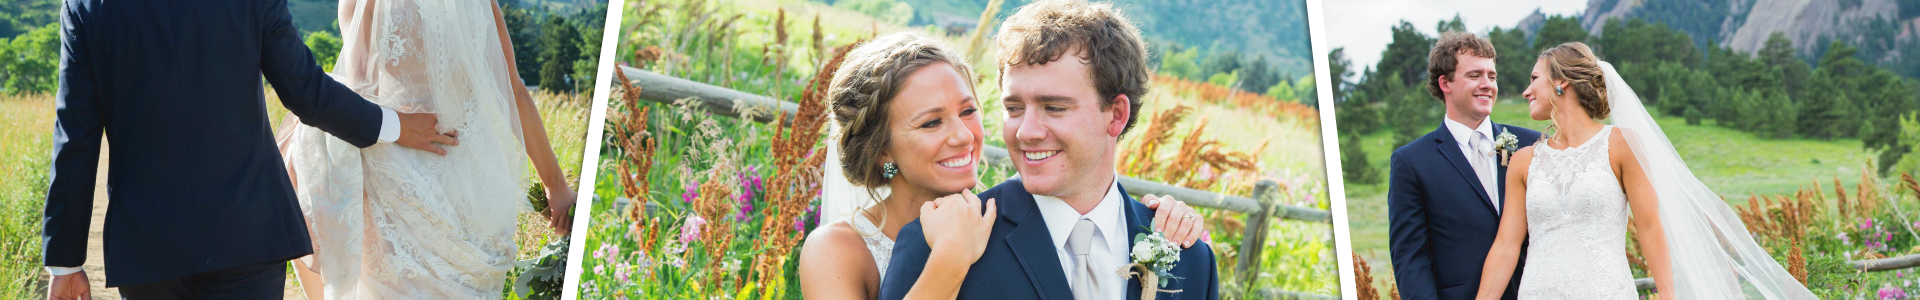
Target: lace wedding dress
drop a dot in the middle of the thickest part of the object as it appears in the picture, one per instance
(1576, 225)
(877, 242)
(390, 222)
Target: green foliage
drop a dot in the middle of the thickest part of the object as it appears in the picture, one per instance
(1181, 64)
(1406, 55)
(1282, 91)
(1557, 30)
(890, 11)
(21, 16)
(1638, 41)
(559, 49)
(1514, 60)
(30, 61)
(1908, 132)
(1354, 164)
(325, 47)
(1275, 29)
(1228, 79)
(26, 140)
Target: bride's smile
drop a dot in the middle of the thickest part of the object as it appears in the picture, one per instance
(938, 141)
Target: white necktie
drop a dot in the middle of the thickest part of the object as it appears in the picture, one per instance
(1483, 166)
(1084, 284)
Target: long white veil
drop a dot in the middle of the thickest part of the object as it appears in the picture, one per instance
(839, 197)
(1713, 255)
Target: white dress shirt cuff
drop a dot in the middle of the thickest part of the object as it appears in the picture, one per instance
(62, 271)
(389, 125)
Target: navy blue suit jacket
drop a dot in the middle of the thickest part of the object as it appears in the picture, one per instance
(1442, 222)
(196, 182)
(1020, 261)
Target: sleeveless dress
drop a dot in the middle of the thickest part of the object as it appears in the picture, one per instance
(877, 242)
(1576, 225)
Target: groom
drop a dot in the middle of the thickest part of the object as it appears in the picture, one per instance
(1073, 73)
(201, 206)
(1447, 190)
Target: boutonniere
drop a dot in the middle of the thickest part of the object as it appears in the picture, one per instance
(1506, 144)
(1153, 257)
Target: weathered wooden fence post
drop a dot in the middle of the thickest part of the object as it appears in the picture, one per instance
(1252, 240)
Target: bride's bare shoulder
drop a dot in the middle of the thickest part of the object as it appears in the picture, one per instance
(1618, 147)
(837, 242)
(837, 263)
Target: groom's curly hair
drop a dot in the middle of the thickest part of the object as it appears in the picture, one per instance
(1445, 56)
(863, 88)
(1048, 30)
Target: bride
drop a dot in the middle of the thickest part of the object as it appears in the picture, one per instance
(388, 223)
(907, 133)
(1575, 191)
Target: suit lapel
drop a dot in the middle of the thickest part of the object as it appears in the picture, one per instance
(1451, 150)
(1138, 221)
(1033, 247)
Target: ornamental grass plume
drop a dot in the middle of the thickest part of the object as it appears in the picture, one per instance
(1140, 159)
(796, 178)
(715, 204)
(630, 132)
(1797, 263)
(1363, 276)
(1196, 151)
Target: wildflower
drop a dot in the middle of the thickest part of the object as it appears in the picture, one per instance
(1888, 292)
(620, 273)
(690, 194)
(642, 261)
(691, 229)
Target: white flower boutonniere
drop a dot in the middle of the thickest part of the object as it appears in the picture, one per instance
(1506, 144)
(1153, 257)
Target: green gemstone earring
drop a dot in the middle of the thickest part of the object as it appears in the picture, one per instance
(888, 170)
(1559, 91)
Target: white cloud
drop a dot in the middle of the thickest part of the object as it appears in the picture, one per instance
(1364, 26)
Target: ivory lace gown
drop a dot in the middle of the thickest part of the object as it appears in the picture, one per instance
(1576, 225)
(390, 222)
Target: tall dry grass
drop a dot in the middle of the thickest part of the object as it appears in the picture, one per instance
(26, 132)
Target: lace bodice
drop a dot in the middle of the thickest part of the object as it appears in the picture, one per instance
(1576, 225)
(877, 242)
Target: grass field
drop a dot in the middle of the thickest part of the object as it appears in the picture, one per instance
(1731, 162)
(26, 126)
(26, 130)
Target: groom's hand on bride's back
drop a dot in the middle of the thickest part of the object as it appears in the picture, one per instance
(417, 131)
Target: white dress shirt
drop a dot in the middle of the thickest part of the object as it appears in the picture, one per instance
(389, 131)
(1482, 162)
(1110, 240)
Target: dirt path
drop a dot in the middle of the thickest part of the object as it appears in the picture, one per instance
(96, 259)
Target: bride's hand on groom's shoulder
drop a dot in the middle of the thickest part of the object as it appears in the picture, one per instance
(1186, 227)
(417, 131)
(957, 225)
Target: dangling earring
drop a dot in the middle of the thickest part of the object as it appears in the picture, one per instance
(888, 170)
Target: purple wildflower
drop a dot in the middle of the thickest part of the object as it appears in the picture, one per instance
(691, 229)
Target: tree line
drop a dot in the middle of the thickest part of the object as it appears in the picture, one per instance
(1772, 92)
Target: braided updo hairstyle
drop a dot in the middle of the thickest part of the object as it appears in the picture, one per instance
(863, 87)
(1575, 63)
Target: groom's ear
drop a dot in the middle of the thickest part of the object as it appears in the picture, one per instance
(1122, 109)
(1444, 88)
